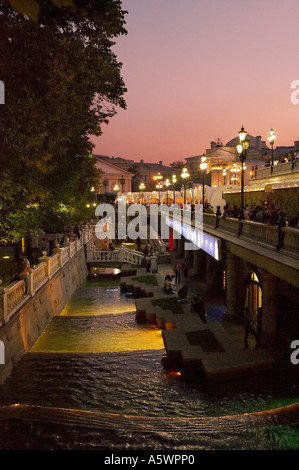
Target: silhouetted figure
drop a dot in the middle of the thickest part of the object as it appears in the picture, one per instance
(198, 306)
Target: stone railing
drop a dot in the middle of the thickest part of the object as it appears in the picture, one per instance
(13, 297)
(122, 255)
(96, 254)
(279, 169)
(285, 239)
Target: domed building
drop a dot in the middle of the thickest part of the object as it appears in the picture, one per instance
(224, 163)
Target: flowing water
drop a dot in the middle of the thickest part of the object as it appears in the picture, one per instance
(95, 380)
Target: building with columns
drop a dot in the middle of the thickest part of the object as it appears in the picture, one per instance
(224, 164)
(114, 179)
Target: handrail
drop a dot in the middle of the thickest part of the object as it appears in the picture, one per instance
(283, 239)
(122, 254)
(13, 297)
(273, 236)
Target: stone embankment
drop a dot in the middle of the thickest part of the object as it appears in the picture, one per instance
(193, 347)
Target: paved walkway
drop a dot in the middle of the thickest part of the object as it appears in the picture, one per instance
(215, 349)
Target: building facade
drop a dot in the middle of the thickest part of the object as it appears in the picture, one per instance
(114, 179)
(224, 163)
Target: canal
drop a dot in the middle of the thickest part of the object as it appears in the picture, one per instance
(95, 379)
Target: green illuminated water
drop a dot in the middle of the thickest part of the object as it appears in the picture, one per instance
(95, 357)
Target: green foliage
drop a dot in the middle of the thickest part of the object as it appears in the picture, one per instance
(170, 303)
(62, 83)
(149, 280)
(284, 198)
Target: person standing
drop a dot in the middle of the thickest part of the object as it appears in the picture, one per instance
(105, 245)
(23, 270)
(185, 267)
(177, 272)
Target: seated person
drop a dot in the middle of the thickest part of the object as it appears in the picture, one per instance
(172, 282)
(167, 286)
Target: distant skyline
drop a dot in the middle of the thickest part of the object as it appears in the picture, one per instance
(197, 70)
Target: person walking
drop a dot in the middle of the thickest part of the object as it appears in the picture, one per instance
(248, 327)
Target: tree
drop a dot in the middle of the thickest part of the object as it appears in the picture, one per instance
(62, 83)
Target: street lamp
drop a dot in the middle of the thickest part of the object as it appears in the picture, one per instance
(185, 175)
(271, 138)
(242, 148)
(116, 188)
(203, 166)
(174, 183)
(158, 176)
(167, 183)
(159, 186)
(92, 189)
(142, 188)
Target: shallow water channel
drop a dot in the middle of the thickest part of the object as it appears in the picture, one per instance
(95, 380)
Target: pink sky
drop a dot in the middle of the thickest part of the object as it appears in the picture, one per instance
(197, 70)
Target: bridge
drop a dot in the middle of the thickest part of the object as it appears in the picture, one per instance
(254, 264)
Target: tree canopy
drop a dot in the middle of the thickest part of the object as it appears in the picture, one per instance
(62, 83)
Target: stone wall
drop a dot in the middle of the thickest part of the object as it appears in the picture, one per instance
(27, 324)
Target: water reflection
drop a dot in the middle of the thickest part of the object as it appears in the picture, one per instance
(95, 357)
(97, 334)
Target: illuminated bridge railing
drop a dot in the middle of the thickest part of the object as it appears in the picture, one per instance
(284, 239)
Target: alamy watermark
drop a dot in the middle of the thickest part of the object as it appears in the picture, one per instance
(138, 225)
(2, 353)
(2, 92)
(295, 354)
(295, 94)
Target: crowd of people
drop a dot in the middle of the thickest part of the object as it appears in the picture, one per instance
(46, 247)
(266, 213)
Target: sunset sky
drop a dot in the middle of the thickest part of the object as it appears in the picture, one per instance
(197, 70)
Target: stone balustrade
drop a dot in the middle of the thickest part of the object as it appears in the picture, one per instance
(290, 240)
(13, 297)
(261, 233)
(122, 254)
(279, 169)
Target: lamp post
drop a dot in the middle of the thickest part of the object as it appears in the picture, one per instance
(185, 175)
(242, 148)
(157, 177)
(142, 188)
(174, 183)
(271, 138)
(92, 189)
(203, 166)
(167, 183)
(159, 187)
